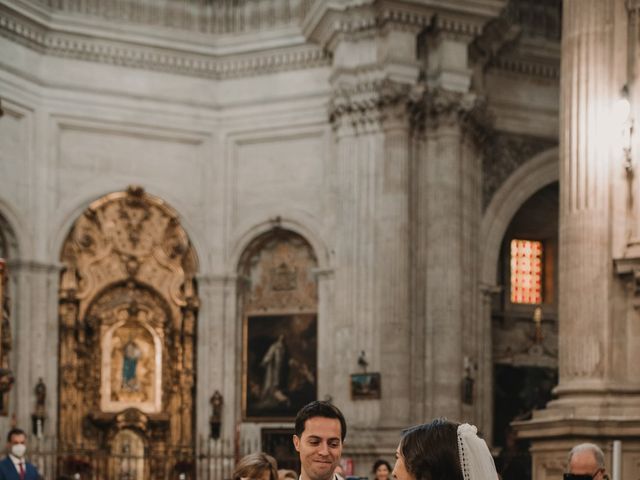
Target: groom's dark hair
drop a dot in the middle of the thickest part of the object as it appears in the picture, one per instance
(319, 408)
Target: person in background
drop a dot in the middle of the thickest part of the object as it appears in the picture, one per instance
(285, 473)
(586, 462)
(256, 466)
(381, 470)
(14, 466)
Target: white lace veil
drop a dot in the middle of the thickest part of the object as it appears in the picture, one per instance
(475, 458)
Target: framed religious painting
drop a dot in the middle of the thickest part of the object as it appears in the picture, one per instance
(279, 365)
(365, 386)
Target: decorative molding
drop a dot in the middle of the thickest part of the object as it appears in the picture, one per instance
(504, 154)
(367, 104)
(44, 39)
(326, 23)
(524, 39)
(458, 27)
(214, 17)
(278, 266)
(528, 67)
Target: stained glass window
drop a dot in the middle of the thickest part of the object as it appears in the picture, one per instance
(526, 271)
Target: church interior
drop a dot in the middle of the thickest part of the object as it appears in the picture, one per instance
(215, 211)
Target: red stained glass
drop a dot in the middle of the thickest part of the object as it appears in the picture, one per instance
(526, 271)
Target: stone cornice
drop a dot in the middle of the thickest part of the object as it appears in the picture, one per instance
(327, 22)
(327, 19)
(532, 57)
(511, 46)
(150, 55)
(213, 17)
(532, 68)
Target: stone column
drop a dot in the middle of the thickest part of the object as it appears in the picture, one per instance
(598, 396)
(216, 346)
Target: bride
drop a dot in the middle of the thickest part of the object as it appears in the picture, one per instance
(443, 450)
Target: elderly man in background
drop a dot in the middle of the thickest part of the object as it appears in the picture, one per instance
(586, 462)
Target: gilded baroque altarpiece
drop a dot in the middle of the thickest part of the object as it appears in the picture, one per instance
(128, 307)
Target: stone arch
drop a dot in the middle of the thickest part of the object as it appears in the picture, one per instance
(298, 224)
(128, 280)
(13, 241)
(278, 305)
(539, 171)
(72, 209)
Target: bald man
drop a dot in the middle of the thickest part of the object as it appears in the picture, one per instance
(586, 462)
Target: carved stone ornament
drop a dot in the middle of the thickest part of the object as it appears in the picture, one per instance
(128, 306)
(278, 267)
(504, 154)
(369, 105)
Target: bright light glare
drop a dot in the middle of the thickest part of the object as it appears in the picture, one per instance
(621, 111)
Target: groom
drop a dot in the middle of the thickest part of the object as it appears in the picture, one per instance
(14, 466)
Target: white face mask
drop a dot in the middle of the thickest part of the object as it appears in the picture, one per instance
(18, 450)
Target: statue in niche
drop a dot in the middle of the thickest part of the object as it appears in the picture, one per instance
(132, 359)
(131, 355)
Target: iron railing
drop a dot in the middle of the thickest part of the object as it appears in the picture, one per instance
(209, 460)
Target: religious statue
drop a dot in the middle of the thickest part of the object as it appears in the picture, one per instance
(131, 356)
(39, 415)
(215, 420)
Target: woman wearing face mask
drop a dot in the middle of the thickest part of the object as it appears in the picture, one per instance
(15, 462)
(443, 450)
(381, 470)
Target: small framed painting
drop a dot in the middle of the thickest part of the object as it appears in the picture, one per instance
(365, 386)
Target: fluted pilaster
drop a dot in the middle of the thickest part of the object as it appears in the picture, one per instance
(448, 171)
(216, 347)
(36, 330)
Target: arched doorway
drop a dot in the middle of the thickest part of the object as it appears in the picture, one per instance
(128, 305)
(525, 325)
(278, 297)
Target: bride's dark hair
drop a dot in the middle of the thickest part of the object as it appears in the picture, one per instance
(430, 451)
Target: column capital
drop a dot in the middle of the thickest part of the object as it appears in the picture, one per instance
(450, 109)
(213, 279)
(371, 105)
